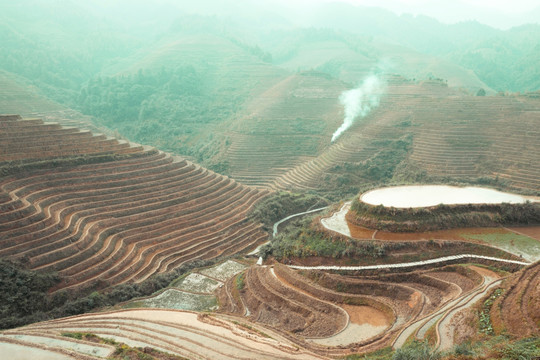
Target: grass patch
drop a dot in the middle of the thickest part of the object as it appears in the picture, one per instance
(416, 350)
(240, 282)
(504, 348)
(300, 240)
(485, 324)
(282, 204)
(518, 244)
(178, 281)
(442, 216)
(79, 335)
(382, 354)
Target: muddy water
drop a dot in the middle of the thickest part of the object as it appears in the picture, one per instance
(365, 322)
(21, 352)
(366, 315)
(353, 333)
(431, 195)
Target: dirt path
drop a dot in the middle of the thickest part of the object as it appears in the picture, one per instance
(409, 264)
(276, 226)
(442, 318)
(445, 328)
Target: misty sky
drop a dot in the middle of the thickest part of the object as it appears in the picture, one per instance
(497, 13)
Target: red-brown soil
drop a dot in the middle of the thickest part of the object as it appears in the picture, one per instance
(366, 315)
(275, 303)
(108, 222)
(359, 232)
(452, 234)
(517, 310)
(275, 298)
(182, 333)
(531, 231)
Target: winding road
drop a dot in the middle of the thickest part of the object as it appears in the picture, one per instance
(277, 223)
(441, 318)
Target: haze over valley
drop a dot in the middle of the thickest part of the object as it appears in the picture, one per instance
(269, 179)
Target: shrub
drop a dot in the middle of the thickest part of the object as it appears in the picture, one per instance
(240, 282)
(24, 296)
(442, 216)
(416, 351)
(282, 204)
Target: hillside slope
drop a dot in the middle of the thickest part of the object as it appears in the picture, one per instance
(427, 129)
(102, 212)
(282, 127)
(19, 96)
(516, 311)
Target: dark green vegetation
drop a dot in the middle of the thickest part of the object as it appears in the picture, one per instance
(282, 204)
(22, 294)
(442, 216)
(124, 351)
(495, 348)
(28, 166)
(240, 281)
(486, 326)
(387, 165)
(301, 240)
(25, 297)
(143, 106)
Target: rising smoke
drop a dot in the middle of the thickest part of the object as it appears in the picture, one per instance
(359, 102)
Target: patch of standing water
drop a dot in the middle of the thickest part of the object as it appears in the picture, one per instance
(20, 352)
(198, 283)
(432, 195)
(178, 300)
(224, 271)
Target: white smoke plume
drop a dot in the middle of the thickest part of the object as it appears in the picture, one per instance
(359, 102)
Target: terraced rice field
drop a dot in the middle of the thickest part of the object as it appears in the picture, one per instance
(223, 271)
(110, 222)
(197, 283)
(177, 300)
(54, 341)
(454, 136)
(516, 311)
(283, 127)
(329, 312)
(194, 292)
(187, 334)
(521, 245)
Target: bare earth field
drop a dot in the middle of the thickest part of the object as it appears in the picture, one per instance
(186, 334)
